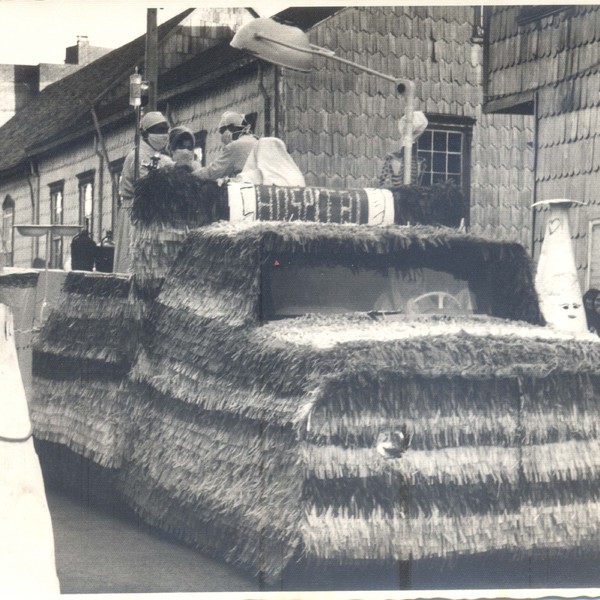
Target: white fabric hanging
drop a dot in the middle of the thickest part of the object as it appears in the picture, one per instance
(27, 563)
(269, 163)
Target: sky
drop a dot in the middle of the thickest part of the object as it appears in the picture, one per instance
(39, 31)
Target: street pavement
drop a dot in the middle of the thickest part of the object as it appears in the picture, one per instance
(100, 552)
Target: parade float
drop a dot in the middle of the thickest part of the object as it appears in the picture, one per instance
(340, 377)
(333, 377)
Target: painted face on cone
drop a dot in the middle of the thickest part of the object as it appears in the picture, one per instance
(567, 313)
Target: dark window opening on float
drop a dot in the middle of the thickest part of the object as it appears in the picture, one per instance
(292, 288)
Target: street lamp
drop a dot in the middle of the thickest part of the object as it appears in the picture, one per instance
(289, 47)
(35, 230)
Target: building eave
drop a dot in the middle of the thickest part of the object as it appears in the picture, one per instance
(518, 104)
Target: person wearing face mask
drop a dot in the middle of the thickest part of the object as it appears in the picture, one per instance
(181, 148)
(154, 131)
(238, 141)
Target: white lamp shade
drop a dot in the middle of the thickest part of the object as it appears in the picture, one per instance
(250, 38)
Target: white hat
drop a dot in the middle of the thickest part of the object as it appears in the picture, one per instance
(151, 119)
(232, 118)
(420, 123)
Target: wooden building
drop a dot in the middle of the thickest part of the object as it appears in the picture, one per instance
(544, 61)
(338, 123)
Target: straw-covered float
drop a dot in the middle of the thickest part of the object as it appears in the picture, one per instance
(339, 392)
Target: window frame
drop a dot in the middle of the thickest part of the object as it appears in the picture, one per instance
(57, 189)
(200, 142)
(448, 124)
(115, 169)
(84, 179)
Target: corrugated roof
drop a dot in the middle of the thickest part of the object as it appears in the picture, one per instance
(65, 105)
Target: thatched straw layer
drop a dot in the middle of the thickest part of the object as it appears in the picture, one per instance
(228, 486)
(81, 359)
(168, 203)
(260, 441)
(384, 538)
(94, 321)
(501, 415)
(175, 197)
(19, 280)
(88, 416)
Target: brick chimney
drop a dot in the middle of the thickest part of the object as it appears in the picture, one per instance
(79, 54)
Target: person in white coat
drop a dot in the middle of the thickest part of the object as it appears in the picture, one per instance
(238, 142)
(154, 130)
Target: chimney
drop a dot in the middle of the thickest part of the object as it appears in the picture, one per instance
(79, 54)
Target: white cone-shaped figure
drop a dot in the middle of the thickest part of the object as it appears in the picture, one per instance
(27, 564)
(556, 279)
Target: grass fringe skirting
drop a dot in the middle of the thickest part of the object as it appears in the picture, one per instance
(81, 357)
(89, 417)
(154, 249)
(384, 538)
(211, 393)
(238, 478)
(167, 204)
(202, 459)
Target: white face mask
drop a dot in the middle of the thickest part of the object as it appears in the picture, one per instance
(158, 141)
(226, 137)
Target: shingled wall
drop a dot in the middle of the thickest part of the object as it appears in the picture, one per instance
(555, 58)
(339, 124)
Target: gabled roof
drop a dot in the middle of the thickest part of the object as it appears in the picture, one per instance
(221, 59)
(63, 109)
(66, 104)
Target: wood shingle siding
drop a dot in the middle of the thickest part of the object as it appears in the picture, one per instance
(338, 123)
(556, 60)
(339, 112)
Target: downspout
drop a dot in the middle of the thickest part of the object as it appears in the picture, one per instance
(266, 99)
(101, 159)
(276, 100)
(35, 204)
(535, 166)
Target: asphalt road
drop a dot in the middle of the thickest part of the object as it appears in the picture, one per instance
(99, 552)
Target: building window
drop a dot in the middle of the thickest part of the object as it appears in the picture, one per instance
(86, 202)
(8, 236)
(56, 218)
(200, 147)
(251, 119)
(441, 156)
(116, 172)
(478, 25)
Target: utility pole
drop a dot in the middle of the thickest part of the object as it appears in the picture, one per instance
(151, 75)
